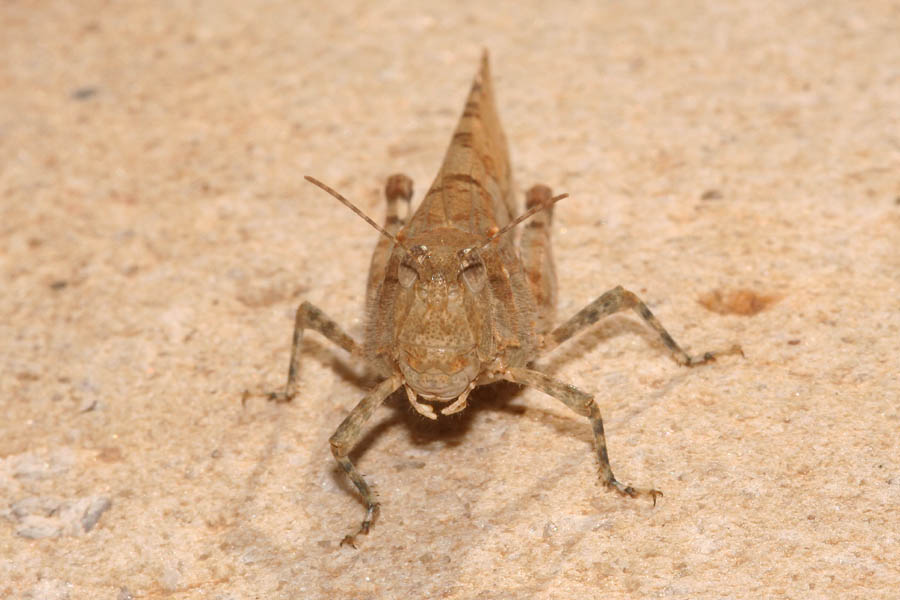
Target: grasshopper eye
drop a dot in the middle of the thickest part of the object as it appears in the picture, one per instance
(407, 275)
(474, 275)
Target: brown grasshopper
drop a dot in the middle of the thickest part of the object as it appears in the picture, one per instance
(453, 304)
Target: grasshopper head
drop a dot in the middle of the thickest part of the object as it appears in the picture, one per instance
(439, 333)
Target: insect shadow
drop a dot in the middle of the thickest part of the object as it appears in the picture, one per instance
(447, 431)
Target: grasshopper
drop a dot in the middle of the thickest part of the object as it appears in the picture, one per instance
(452, 303)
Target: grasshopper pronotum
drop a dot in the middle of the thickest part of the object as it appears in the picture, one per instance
(452, 303)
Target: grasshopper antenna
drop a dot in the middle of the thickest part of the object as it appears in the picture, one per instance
(352, 207)
(526, 215)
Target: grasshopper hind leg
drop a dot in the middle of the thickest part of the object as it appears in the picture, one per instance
(537, 257)
(398, 191)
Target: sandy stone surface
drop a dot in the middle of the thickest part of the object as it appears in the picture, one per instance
(737, 166)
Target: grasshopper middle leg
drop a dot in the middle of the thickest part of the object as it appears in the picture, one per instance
(618, 299)
(310, 317)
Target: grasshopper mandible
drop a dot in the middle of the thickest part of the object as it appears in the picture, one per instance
(453, 304)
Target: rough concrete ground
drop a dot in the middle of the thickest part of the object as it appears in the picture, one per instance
(736, 165)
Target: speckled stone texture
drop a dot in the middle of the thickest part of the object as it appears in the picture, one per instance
(737, 165)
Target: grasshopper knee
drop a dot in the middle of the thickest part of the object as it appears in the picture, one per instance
(398, 186)
(540, 195)
(586, 407)
(338, 447)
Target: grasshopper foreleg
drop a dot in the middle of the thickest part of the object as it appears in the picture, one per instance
(583, 404)
(347, 435)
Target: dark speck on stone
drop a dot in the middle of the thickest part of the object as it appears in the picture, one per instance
(83, 93)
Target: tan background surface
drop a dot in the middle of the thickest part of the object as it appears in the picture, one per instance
(156, 236)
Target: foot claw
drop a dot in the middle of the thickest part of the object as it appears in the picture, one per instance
(350, 540)
(372, 512)
(708, 357)
(632, 492)
(280, 397)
